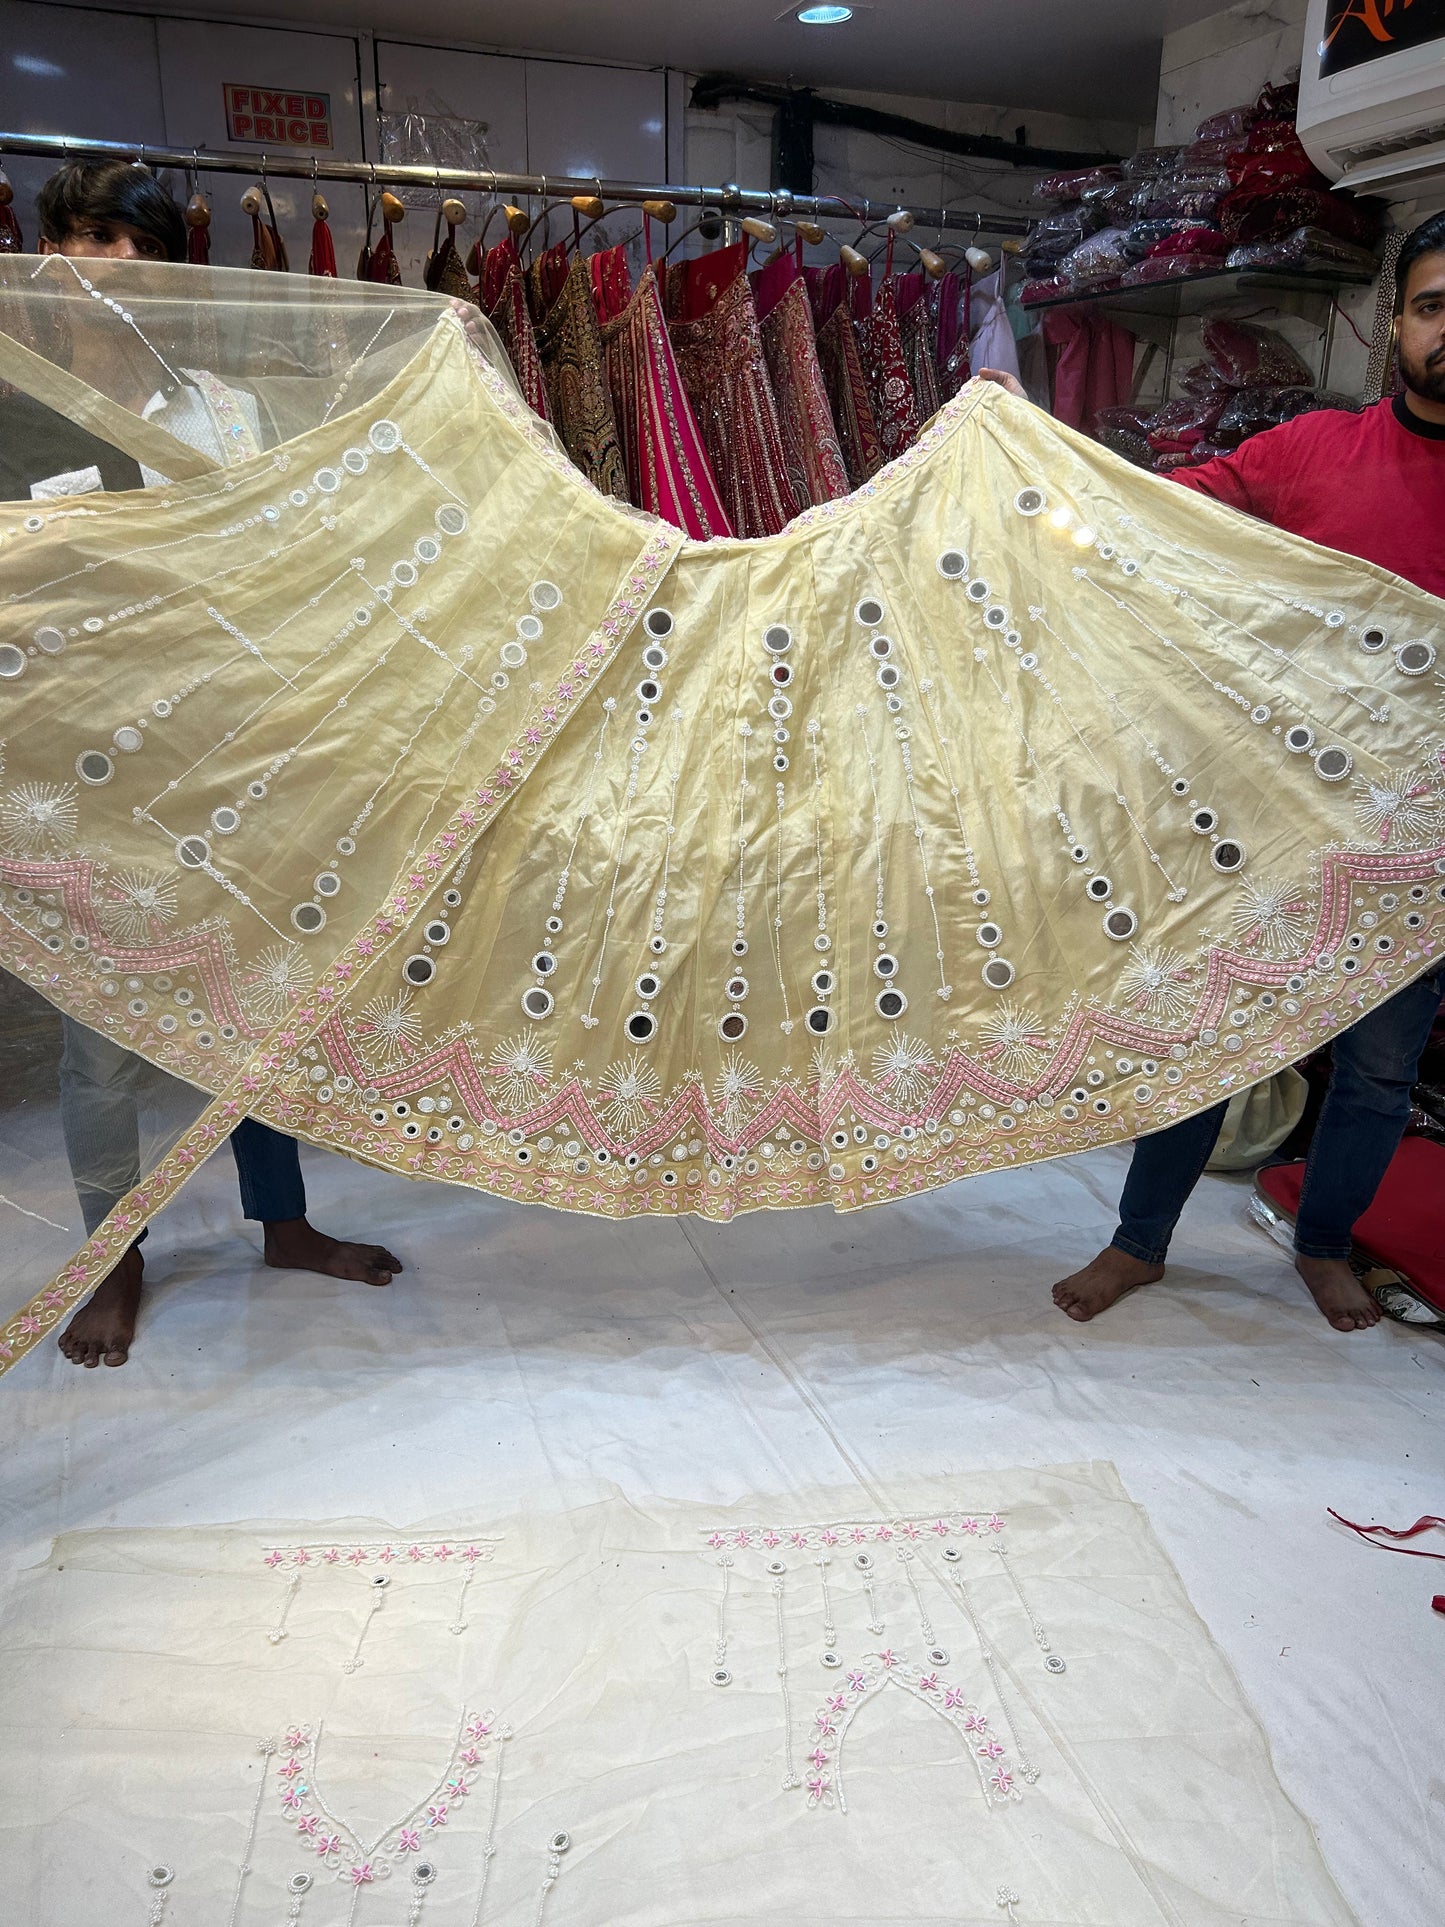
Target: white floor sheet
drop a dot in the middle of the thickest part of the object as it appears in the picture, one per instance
(533, 1360)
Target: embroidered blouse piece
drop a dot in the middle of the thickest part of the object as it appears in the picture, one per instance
(843, 376)
(714, 329)
(932, 1714)
(667, 465)
(570, 345)
(815, 466)
(503, 296)
(498, 835)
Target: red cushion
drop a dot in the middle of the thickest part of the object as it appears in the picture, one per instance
(1404, 1227)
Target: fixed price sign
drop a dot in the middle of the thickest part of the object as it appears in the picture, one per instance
(275, 117)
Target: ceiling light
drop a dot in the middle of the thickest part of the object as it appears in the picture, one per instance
(823, 16)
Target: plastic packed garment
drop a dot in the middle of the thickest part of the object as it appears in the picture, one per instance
(1306, 247)
(1244, 355)
(843, 377)
(667, 465)
(880, 349)
(714, 330)
(396, 865)
(569, 345)
(919, 337)
(502, 296)
(816, 469)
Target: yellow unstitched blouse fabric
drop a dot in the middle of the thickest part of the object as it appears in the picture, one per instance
(1016, 804)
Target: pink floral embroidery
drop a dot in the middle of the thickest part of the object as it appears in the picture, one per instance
(295, 1740)
(356, 1556)
(858, 1682)
(990, 1750)
(954, 1697)
(818, 1786)
(928, 1683)
(479, 1728)
(818, 1758)
(858, 1535)
(884, 1532)
(825, 1726)
(362, 1874)
(474, 1553)
(971, 1526)
(909, 1530)
(292, 1767)
(308, 1823)
(456, 1789)
(328, 1844)
(290, 1798)
(976, 1723)
(408, 1840)
(994, 1522)
(1002, 1781)
(717, 1541)
(331, 1555)
(436, 1816)
(771, 1539)
(837, 1703)
(471, 1757)
(742, 1538)
(829, 1537)
(888, 1658)
(274, 1558)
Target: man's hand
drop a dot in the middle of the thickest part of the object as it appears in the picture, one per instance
(1005, 380)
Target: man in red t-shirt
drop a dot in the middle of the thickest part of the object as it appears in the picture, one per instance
(1373, 485)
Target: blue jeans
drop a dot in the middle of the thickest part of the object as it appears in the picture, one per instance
(105, 1094)
(1360, 1126)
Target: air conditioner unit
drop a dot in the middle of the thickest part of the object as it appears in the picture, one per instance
(1372, 95)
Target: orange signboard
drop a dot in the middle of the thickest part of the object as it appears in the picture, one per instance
(276, 117)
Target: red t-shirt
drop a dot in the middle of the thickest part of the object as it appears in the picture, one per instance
(1371, 484)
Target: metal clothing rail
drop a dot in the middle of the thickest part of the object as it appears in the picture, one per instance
(729, 200)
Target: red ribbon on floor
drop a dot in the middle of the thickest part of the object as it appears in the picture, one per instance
(1372, 1535)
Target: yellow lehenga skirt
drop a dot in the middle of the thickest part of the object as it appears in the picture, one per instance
(388, 783)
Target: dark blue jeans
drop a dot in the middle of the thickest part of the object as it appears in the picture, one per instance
(1359, 1130)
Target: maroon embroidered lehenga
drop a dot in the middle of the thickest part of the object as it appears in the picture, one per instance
(667, 465)
(503, 296)
(816, 468)
(714, 330)
(570, 345)
(880, 348)
(843, 377)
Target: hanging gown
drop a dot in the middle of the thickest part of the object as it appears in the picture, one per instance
(495, 834)
(667, 466)
(569, 345)
(843, 377)
(880, 348)
(918, 334)
(503, 298)
(814, 457)
(444, 272)
(714, 330)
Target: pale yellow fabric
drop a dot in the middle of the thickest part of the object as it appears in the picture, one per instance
(1001, 746)
(144, 1670)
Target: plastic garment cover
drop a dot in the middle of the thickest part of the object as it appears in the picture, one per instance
(388, 783)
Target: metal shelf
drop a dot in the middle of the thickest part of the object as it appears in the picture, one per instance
(1197, 293)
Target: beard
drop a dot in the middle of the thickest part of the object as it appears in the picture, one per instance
(1424, 375)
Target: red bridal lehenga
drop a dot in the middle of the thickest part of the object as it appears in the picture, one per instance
(714, 329)
(504, 303)
(667, 465)
(920, 343)
(816, 468)
(843, 379)
(569, 342)
(880, 348)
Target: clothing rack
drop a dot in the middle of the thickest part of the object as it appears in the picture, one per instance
(729, 200)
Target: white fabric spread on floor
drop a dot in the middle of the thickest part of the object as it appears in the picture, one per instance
(532, 1363)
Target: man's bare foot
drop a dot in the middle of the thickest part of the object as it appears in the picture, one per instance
(1084, 1294)
(1338, 1293)
(102, 1330)
(291, 1244)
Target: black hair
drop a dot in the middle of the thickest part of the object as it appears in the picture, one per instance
(83, 191)
(1428, 238)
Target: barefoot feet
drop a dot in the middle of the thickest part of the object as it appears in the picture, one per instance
(1084, 1294)
(101, 1331)
(294, 1245)
(1338, 1293)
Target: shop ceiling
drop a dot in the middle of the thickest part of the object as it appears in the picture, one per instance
(1095, 58)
